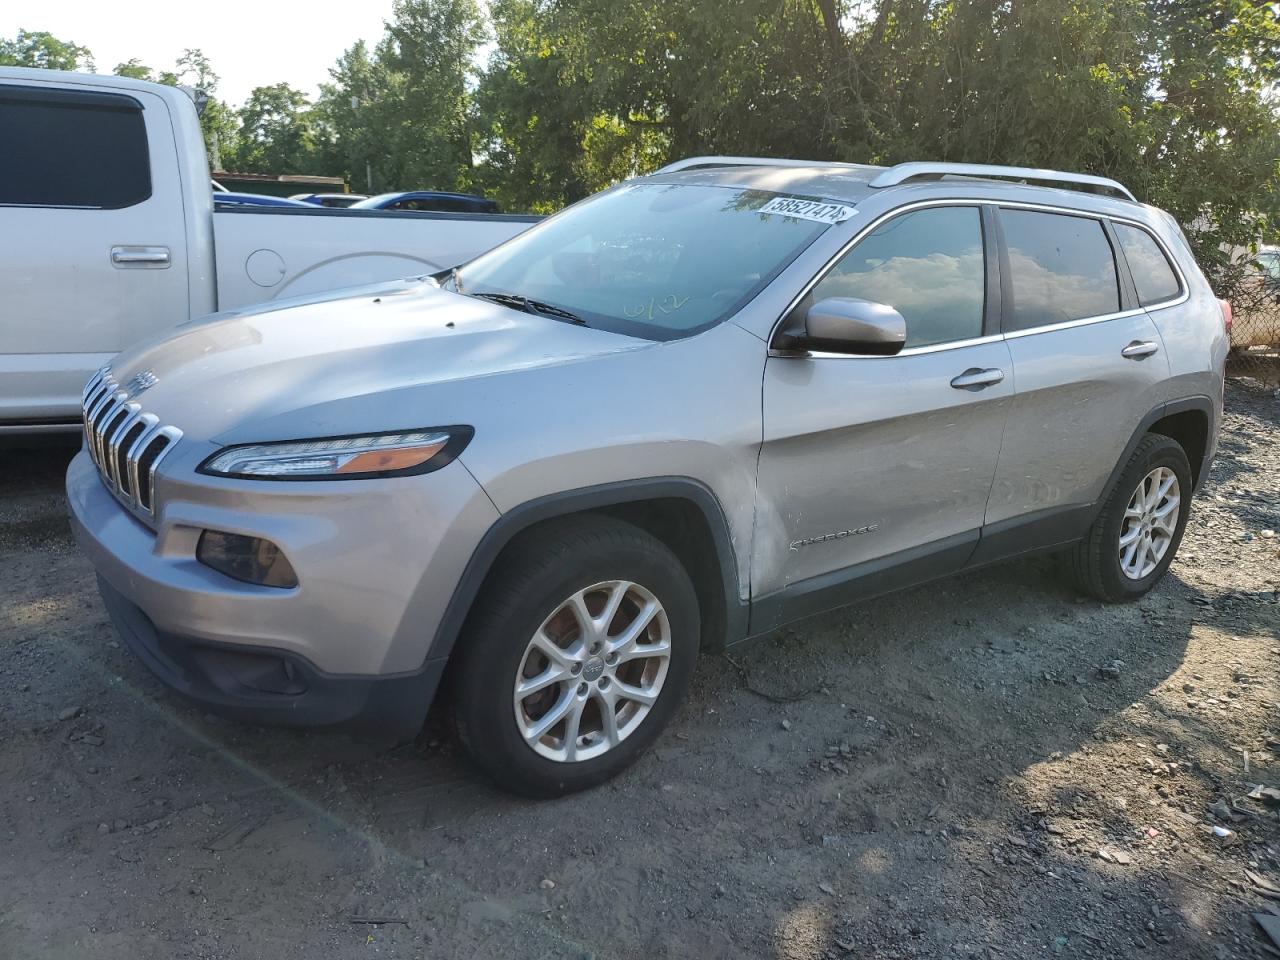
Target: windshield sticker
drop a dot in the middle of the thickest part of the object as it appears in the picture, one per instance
(808, 209)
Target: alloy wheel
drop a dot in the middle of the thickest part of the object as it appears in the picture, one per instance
(592, 671)
(1149, 523)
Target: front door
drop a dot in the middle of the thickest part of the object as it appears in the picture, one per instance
(875, 471)
(92, 238)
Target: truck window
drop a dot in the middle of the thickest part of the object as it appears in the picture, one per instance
(1061, 268)
(69, 149)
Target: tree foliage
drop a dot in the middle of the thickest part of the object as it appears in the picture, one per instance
(44, 50)
(1176, 98)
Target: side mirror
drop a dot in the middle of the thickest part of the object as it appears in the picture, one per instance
(846, 325)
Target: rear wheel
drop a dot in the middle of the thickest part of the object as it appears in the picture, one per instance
(581, 648)
(1135, 537)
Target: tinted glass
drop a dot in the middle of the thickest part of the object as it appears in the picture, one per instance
(72, 150)
(650, 260)
(1061, 268)
(928, 265)
(1152, 275)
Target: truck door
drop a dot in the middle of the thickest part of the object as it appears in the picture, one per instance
(92, 238)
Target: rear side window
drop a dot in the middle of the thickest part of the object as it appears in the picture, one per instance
(928, 265)
(1153, 276)
(1060, 268)
(65, 149)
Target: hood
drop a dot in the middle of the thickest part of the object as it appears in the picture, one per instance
(322, 359)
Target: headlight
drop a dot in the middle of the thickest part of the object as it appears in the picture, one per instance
(342, 458)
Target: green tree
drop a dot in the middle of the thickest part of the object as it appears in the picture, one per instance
(1177, 98)
(44, 50)
(134, 69)
(275, 134)
(218, 122)
(347, 116)
(402, 114)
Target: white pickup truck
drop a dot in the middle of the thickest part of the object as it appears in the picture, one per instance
(108, 234)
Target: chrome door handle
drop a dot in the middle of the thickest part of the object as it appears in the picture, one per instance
(1139, 349)
(975, 378)
(130, 256)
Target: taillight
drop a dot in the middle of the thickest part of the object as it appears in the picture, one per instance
(1226, 314)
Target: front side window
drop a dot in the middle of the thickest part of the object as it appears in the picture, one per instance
(1061, 268)
(1153, 276)
(653, 260)
(66, 149)
(927, 264)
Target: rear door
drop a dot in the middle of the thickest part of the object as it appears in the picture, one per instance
(92, 238)
(875, 471)
(1088, 364)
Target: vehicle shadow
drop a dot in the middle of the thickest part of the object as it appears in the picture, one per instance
(966, 718)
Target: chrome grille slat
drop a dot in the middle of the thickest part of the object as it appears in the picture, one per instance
(132, 412)
(110, 417)
(152, 423)
(91, 419)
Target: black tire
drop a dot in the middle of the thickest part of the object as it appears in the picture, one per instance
(1095, 561)
(537, 573)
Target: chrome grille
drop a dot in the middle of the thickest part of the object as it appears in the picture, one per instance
(125, 443)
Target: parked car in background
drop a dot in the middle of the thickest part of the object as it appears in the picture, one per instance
(110, 232)
(330, 199)
(428, 201)
(232, 198)
(688, 410)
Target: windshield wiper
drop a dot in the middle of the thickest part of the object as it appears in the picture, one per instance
(536, 307)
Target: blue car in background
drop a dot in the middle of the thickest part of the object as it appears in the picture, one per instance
(329, 199)
(230, 198)
(435, 201)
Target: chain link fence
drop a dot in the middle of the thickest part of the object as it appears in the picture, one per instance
(1255, 330)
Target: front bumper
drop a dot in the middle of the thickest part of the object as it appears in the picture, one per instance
(260, 685)
(376, 565)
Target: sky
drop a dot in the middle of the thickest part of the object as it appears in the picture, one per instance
(250, 43)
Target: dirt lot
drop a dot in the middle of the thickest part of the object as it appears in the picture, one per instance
(943, 773)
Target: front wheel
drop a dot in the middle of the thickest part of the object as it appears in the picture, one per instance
(1134, 539)
(581, 647)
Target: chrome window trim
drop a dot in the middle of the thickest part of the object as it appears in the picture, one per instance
(1114, 218)
(1184, 288)
(827, 267)
(909, 352)
(1069, 324)
(959, 344)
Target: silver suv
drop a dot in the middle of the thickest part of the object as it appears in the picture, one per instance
(683, 412)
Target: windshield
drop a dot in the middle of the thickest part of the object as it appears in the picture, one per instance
(658, 261)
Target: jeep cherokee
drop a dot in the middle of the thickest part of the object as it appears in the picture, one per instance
(685, 411)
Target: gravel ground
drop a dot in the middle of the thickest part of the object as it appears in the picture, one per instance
(985, 767)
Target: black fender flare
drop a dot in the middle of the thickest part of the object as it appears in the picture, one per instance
(581, 500)
(1201, 403)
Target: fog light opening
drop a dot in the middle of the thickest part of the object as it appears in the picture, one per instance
(247, 559)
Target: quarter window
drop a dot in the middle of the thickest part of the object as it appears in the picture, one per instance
(928, 265)
(1061, 268)
(66, 149)
(1153, 277)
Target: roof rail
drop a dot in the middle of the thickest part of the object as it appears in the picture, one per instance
(904, 172)
(695, 163)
